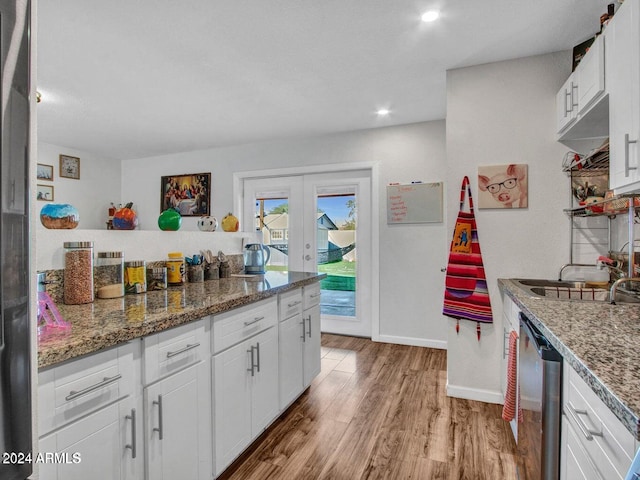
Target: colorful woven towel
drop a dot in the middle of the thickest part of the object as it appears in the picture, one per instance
(513, 391)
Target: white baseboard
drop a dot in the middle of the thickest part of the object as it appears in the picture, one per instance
(487, 396)
(415, 342)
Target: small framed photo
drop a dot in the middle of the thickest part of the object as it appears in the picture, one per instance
(45, 172)
(69, 167)
(45, 192)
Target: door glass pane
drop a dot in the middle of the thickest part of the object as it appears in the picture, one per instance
(336, 245)
(272, 218)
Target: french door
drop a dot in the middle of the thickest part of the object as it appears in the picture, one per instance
(320, 222)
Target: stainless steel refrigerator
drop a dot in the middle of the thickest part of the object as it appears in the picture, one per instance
(15, 328)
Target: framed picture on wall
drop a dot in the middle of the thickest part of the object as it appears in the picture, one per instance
(503, 186)
(188, 193)
(69, 167)
(45, 172)
(45, 193)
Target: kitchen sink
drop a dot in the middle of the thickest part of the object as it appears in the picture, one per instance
(569, 290)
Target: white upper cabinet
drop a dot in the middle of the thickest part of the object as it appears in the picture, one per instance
(624, 102)
(581, 107)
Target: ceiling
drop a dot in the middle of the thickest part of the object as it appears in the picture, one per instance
(137, 78)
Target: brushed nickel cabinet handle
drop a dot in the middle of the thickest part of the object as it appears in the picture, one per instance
(253, 364)
(293, 304)
(258, 355)
(626, 155)
(573, 413)
(255, 320)
(304, 330)
(309, 319)
(182, 350)
(105, 381)
(159, 428)
(132, 445)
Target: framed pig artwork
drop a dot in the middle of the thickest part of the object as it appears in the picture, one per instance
(503, 186)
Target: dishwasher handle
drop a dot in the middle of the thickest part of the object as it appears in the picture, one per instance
(545, 350)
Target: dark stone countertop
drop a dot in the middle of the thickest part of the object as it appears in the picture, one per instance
(106, 323)
(599, 340)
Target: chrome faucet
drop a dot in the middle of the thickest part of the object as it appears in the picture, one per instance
(617, 283)
(612, 266)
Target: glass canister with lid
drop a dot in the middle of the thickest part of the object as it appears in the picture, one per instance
(78, 273)
(109, 275)
(135, 277)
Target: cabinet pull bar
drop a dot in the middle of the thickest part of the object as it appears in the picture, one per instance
(252, 363)
(566, 103)
(574, 101)
(105, 381)
(626, 155)
(309, 318)
(315, 295)
(132, 445)
(159, 428)
(258, 355)
(293, 304)
(505, 344)
(255, 320)
(573, 413)
(182, 350)
(304, 330)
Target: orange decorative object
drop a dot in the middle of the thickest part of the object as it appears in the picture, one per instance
(230, 223)
(125, 218)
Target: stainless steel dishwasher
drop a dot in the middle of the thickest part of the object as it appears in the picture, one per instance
(540, 383)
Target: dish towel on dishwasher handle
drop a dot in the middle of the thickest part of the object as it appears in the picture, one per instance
(513, 392)
(466, 295)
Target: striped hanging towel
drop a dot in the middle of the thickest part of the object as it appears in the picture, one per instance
(466, 295)
(513, 390)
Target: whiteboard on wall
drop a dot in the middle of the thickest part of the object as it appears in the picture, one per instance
(414, 203)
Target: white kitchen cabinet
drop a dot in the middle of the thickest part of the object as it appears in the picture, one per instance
(590, 74)
(311, 343)
(623, 80)
(89, 415)
(246, 372)
(567, 104)
(178, 425)
(105, 441)
(595, 444)
(177, 403)
(291, 332)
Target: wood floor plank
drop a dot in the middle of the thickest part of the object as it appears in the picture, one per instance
(380, 411)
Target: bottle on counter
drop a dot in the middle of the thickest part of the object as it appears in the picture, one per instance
(175, 268)
(78, 273)
(135, 277)
(109, 275)
(157, 278)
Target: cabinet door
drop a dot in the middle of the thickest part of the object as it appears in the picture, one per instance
(96, 443)
(623, 83)
(566, 104)
(232, 403)
(311, 344)
(290, 346)
(264, 389)
(178, 425)
(590, 73)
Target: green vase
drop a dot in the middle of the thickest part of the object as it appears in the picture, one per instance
(170, 220)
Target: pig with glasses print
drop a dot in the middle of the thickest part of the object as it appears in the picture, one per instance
(508, 187)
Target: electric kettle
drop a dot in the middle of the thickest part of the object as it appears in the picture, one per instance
(256, 256)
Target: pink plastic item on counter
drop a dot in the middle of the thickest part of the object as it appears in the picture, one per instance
(48, 314)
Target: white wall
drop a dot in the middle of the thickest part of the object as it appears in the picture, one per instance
(410, 255)
(503, 113)
(99, 184)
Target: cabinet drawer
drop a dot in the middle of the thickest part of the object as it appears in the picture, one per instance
(289, 304)
(612, 446)
(74, 389)
(311, 295)
(232, 327)
(173, 350)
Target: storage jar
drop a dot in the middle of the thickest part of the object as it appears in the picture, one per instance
(109, 275)
(78, 273)
(135, 277)
(175, 268)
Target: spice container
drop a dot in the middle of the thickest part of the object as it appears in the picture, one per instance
(225, 270)
(156, 278)
(109, 275)
(78, 273)
(135, 277)
(175, 268)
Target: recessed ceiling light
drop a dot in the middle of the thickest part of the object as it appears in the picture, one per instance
(383, 112)
(430, 16)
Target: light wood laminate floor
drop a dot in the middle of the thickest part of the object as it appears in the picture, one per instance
(379, 410)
